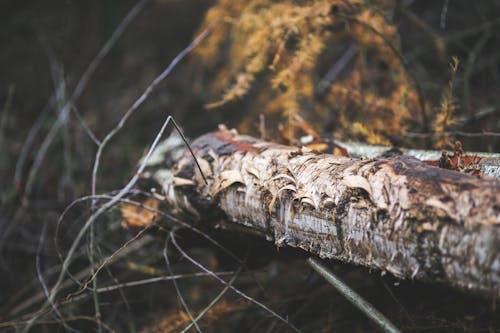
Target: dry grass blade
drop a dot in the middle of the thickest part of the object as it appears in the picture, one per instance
(5, 111)
(215, 300)
(143, 97)
(176, 286)
(82, 83)
(131, 183)
(237, 291)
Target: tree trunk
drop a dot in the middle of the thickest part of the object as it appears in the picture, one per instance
(395, 214)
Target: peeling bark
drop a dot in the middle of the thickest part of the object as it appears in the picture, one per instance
(395, 214)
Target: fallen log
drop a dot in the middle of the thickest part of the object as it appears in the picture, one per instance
(397, 214)
(488, 164)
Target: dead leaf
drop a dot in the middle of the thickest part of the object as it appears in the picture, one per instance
(140, 216)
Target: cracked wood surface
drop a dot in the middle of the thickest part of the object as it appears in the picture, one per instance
(394, 214)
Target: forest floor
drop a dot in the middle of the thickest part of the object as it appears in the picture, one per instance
(53, 122)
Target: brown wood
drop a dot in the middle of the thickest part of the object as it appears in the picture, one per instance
(395, 214)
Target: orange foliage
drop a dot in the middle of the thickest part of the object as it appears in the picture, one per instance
(446, 109)
(271, 57)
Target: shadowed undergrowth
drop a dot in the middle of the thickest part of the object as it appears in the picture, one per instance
(72, 77)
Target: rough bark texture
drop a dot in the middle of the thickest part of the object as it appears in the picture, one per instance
(397, 214)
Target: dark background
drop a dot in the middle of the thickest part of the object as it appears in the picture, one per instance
(47, 45)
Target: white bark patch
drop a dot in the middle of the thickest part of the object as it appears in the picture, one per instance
(183, 182)
(285, 176)
(254, 172)
(355, 181)
(436, 203)
(205, 169)
(226, 179)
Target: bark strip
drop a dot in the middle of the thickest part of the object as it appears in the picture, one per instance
(395, 214)
(488, 165)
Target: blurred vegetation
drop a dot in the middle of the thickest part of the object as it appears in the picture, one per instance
(377, 71)
(412, 73)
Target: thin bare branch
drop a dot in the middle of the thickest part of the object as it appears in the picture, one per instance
(215, 300)
(176, 286)
(80, 87)
(5, 111)
(143, 97)
(237, 291)
(363, 305)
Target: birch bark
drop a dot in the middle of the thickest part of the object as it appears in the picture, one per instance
(393, 214)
